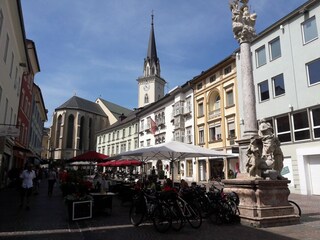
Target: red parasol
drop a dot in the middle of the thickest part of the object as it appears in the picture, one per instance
(91, 156)
(121, 163)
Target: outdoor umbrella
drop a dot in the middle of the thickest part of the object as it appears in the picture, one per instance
(91, 156)
(172, 151)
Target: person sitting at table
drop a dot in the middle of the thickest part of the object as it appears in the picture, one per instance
(150, 184)
(168, 185)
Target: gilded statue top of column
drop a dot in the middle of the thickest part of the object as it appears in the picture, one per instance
(242, 21)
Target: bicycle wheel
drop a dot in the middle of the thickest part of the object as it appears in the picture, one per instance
(161, 218)
(193, 216)
(177, 219)
(226, 212)
(296, 207)
(137, 213)
(235, 217)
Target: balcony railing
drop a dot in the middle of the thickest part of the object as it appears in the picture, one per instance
(214, 114)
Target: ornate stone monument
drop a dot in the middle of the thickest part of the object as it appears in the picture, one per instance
(263, 192)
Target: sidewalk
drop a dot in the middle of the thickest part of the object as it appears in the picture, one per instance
(47, 219)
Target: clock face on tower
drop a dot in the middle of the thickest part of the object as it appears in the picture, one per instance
(146, 86)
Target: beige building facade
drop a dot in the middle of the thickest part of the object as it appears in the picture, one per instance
(216, 118)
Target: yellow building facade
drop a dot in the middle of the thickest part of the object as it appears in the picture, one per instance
(217, 124)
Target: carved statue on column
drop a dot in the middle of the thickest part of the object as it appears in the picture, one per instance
(265, 157)
(242, 21)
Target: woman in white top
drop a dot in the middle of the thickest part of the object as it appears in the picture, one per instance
(27, 177)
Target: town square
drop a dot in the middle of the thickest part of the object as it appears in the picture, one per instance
(99, 139)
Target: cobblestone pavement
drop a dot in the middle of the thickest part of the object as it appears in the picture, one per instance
(47, 219)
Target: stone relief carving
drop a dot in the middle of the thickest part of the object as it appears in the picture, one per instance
(243, 21)
(265, 157)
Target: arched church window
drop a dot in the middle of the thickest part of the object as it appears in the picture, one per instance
(81, 138)
(70, 131)
(59, 122)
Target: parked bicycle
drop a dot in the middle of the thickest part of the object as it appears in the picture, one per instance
(224, 206)
(147, 206)
(296, 207)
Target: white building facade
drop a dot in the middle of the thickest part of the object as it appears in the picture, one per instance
(286, 70)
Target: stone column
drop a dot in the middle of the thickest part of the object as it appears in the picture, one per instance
(243, 28)
(249, 102)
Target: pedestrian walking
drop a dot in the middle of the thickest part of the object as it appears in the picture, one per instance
(27, 176)
(52, 178)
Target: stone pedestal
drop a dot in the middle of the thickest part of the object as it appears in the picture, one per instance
(263, 203)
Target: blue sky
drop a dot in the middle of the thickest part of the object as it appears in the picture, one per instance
(96, 48)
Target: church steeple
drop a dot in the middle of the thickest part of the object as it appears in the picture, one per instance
(151, 62)
(151, 85)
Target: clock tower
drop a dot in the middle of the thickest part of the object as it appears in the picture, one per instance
(151, 85)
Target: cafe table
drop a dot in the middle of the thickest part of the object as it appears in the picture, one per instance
(102, 201)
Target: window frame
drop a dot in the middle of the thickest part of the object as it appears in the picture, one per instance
(258, 64)
(303, 129)
(313, 126)
(273, 79)
(310, 19)
(260, 93)
(308, 72)
(286, 132)
(228, 103)
(277, 39)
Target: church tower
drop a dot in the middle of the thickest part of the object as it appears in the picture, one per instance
(151, 85)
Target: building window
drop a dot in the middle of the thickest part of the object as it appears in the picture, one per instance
(118, 134)
(313, 71)
(123, 133)
(201, 136)
(278, 85)
(142, 125)
(189, 166)
(146, 98)
(6, 49)
(309, 29)
(230, 101)
(129, 145)
(117, 149)
(189, 135)
(275, 49)
(199, 86)
(227, 70)
(58, 131)
(215, 132)
(261, 56)
(200, 109)
(141, 143)
(231, 129)
(70, 131)
(264, 91)
(148, 142)
(301, 126)
(315, 120)
(212, 78)
(283, 129)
